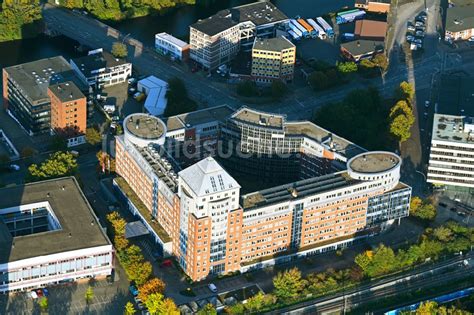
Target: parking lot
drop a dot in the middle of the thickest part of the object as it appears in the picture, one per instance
(109, 298)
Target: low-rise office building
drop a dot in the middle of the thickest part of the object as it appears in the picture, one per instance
(371, 29)
(273, 59)
(459, 22)
(68, 112)
(25, 91)
(218, 38)
(216, 223)
(49, 235)
(169, 45)
(361, 49)
(100, 69)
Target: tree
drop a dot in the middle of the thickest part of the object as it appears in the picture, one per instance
(235, 309)
(156, 304)
(318, 80)
(346, 67)
(278, 88)
(381, 61)
(129, 309)
(247, 88)
(119, 50)
(443, 234)
(58, 164)
(367, 68)
(89, 295)
(153, 285)
(139, 272)
(256, 302)
(288, 285)
(106, 162)
(178, 101)
(400, 128)
(405, 91)
(378, 262)
(208, 309)
(93, 136)
(422, 209)
(43, 303)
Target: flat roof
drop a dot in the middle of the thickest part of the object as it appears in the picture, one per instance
(374, 162)
(191, 119)
(452, 128)
(370, 28)
(363, 46)
(35, 77)
(66, 91)
(459, 18)
(79, 226)
(272, 44)
(96, 61)
(456, 95)
(144, 126)
(215, 24)
(259, 118)
(297, 190)
(319, 134)
(259, 13)
(170, 38)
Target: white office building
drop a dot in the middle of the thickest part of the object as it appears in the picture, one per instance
(169, 45)
(50, 235)
(452, 151)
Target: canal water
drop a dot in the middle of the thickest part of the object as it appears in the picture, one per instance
(175, 22)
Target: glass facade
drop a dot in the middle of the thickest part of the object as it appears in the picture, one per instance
(388, 206)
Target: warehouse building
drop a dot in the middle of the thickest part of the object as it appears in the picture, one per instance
(50, 235)
(459, 22)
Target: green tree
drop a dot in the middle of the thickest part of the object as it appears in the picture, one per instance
(443, 234)
(89, 295)
(278, 89)
(346, 67)
(378, 262)
(422, 209)
(318, 80)
(58, 164)
(119, 50)
(288, 284)
(129, 309)
(405, 91)
(158, 305)
(235, 309)
(153, 285)
(19, 19)
(381, 61)
(43, 303)
(93, 136)
(178, 99)
(139, 272)
(208, 309)
(256, 302)
(400, 128)
(247, 88)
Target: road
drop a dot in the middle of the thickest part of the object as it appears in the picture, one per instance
(443, 272)
(299, 105)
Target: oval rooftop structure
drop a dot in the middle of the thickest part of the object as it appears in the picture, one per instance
(375, 165)
(142, 129)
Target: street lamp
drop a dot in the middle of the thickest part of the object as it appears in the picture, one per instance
(422, 174)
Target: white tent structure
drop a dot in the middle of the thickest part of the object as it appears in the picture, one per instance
(155, 91)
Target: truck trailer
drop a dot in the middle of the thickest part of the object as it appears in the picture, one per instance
(349, 16)
(308, 27)
(326, 27)
(297, 25)
(294, 35)
(296, 30)
(317, 28)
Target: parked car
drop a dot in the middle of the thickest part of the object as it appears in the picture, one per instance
(427, 104)
(212, 287)
(133, 290)
(132, 91)
(410, 38)
(137, 300)
(471, 39)
(39, 292)
(141, 306)
(420, 33)
(411, 28)
(46, 292)
(132, 81)
(442, 204)
(14, 167)
(166, 263)
(418, 41)
(139, 96)
(33, 295)
(419, 23)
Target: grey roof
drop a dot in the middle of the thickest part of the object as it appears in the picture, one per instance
(203, 116)
(80, 227)
(259, 13)
(67, 91)
(96, 61)
(259, 118)
(272, 44)
(144, 126)
(215, 24)
(207, 177)
(460, 18)
(34, 77)
(362, 46)
(456, 95)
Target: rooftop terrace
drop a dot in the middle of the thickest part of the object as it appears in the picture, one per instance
(259, 118)
(145, 126)
(453, 128)
(374, 162)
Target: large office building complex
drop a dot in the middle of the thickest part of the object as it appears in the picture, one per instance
(48, 235)
(273, 59)
(194, 181)
(25, 91)
(100, 69)
(217, 39)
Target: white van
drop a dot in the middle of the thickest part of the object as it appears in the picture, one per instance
(212, 287)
